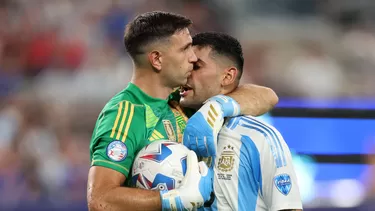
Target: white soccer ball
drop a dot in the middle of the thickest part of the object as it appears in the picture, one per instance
(161, 165)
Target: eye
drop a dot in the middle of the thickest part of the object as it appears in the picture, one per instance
(196, 67)
(188, 47)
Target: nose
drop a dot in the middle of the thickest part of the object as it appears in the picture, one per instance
(193, 57)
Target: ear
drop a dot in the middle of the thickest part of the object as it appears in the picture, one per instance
(229, 76)
(155, 59)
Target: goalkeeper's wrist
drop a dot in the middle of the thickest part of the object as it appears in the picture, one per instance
(169, 200)
(228, 105)
(165, 204)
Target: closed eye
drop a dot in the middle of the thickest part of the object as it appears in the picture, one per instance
(186, 47)
(196, 66)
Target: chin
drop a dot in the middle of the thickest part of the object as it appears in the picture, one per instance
(185, 102)
(189, 104)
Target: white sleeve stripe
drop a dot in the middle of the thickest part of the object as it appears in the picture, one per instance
(271, 137)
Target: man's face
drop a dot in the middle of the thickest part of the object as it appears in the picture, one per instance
(205, 80)
(178, 59)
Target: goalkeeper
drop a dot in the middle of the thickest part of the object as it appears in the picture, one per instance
(160, 46)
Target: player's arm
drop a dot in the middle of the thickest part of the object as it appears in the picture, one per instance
(254, 100)
(116, 139)
(112, 148)
(105, 192)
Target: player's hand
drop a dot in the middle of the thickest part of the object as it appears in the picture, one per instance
(202, 128)
(196, 187)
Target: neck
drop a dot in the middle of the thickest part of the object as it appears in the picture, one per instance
(150, 83)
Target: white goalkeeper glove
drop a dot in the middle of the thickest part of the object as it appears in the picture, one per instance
(196, 187)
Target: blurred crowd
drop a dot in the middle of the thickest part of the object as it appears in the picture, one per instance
(61, 60)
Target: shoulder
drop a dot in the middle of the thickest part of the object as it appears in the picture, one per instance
(118, 111)
(265, 137)
(123, 101)
(252, 126)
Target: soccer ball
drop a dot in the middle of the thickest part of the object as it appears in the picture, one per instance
(161, 165)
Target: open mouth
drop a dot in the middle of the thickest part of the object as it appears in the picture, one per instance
(184, 90)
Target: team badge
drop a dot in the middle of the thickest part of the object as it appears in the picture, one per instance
(226, 160)
(169, 130)
(117, 151)
(283, 183)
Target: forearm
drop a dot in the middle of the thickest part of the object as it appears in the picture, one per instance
(124, 198)
(253, 99)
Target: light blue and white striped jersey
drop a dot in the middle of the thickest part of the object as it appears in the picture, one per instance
(253, 168)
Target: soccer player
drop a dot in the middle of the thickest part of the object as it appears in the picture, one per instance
(160, 46)
(253, 167)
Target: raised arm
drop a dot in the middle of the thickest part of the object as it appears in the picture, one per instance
(254, 100)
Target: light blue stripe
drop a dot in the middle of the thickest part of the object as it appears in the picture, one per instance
(276, 155)
(270, 137)
(272, 131)
(274, 138)
(249, 175)
(233, 122)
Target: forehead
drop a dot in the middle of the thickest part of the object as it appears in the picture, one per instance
(203, 53)
(181, 37)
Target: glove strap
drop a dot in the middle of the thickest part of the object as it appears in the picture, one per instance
(170, 200)
(228, 105)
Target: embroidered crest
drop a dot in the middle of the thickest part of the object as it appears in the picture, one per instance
(283, 183)
(226, 160)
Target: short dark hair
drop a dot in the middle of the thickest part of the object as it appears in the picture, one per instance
(150, 27)
(222, 44)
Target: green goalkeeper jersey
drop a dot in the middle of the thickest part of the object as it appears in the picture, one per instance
(130, 121)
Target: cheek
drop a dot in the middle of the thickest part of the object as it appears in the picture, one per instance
(208, 88)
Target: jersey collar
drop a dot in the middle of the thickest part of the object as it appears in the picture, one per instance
(143, 96)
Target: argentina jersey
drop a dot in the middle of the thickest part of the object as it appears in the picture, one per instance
(253, 168)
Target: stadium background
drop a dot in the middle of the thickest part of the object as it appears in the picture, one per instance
(61, 60)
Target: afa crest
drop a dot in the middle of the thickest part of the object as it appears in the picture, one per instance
(226, 160)
(283, 183)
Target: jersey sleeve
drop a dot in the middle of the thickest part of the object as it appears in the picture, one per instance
(254, 170)
(280, 188)
(117, 136)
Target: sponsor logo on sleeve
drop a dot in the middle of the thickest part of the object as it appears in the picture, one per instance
(283, 183)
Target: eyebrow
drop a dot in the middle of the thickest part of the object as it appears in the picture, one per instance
(200, 61)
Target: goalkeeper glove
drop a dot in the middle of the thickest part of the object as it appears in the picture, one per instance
(202, 129)
(196, 187)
